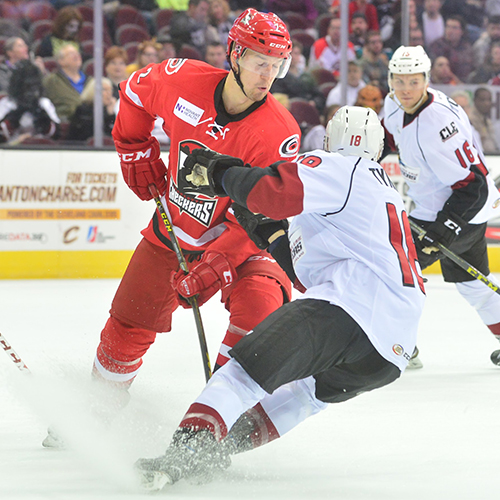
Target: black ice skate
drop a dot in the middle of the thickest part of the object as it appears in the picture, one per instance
(192, 455)
(495, 357)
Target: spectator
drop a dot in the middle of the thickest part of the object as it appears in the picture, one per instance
(298, 83)
(463, 99)
(368, 10)
(395, 41)
(305, 8)
(354, 84)
(370, 96)
(148, 52)
(483, 44)
(191, 27)
(64, 86)
(432, 22)
(15, 50)
(215, 55)
(221, 18)
(416, 37)
(65, 29)
(472, 11)
(492, 8)
(454, 46)
(82, 122)
(441, 72)
(489, 69)
(315, 137)
(167, 50)
(359, 31)
(481, 121)
(115, 66)
(24, 112)
(385, 15)
(325, 52)
(374, 62)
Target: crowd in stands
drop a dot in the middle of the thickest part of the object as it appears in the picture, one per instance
(54, 40)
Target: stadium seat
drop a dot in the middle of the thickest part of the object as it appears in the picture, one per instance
(162, 18)
(295, 21)
(87, 33)
(325, 88)
(322, 75)
(322, 23)
(50, 64)
(131, 33)
(40, 28)
(189, 52)
(305, 114)
(131, 48)
(305, 38)
(127, 14)
(40, 9)
(87, 12)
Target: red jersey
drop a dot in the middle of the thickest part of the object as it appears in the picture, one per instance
(187, 94)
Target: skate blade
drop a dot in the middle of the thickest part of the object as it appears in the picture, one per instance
(154, 480)
(414, 364)
(53, 442)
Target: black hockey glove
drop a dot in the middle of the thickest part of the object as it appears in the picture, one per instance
(14, 117)
(41, 121)
(444, 230)
(260, 229)
(204, 169)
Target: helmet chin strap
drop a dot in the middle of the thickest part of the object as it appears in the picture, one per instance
(414, 108)
(238, 79)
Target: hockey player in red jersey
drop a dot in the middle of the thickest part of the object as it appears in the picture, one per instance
(352, 249)
(202, 107)
(446, 176)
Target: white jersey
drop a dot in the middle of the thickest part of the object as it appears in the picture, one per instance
(438, 158)
(350, 241)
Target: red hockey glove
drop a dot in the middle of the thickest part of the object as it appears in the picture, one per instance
(141, 166)
(213, 273)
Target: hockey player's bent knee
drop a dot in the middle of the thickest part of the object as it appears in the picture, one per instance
(119, 354)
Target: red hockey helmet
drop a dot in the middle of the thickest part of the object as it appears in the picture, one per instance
(262, 32)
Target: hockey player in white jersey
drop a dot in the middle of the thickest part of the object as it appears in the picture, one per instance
(354, 328)
(446, 177)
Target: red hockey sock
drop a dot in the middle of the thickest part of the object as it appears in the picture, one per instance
(233, 336)
(495, 330)
(264, 430)
(200, 416)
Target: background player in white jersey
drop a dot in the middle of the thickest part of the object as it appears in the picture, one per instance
(352, 250)
(446, 175)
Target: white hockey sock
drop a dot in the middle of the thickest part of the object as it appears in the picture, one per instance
(231, 391)
(484, 300)
(291, 404)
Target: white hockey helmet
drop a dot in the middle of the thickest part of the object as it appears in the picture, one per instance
(355, 131)
(409, 61)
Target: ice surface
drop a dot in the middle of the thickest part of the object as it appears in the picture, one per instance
(434, 434)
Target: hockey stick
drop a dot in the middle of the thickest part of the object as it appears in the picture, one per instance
(13, 354)
(183, 265)
(458, 260)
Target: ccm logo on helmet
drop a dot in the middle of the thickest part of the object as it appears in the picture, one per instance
(277, 45)
(290, 146)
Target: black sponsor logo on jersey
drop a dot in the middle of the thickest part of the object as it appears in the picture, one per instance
(199, 207)
(448, 132)
(290, 146)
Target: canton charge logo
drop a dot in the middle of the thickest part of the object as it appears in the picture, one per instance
(448, 132)
(290, 146)
(398, 349)
(198, 206)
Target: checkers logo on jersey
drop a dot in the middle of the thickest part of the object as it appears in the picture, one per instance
(448, 132)
(290, 146)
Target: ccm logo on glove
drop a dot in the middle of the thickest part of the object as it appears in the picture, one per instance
(450, 224)
(135, 156)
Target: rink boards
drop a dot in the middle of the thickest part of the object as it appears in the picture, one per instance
(68, 214)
